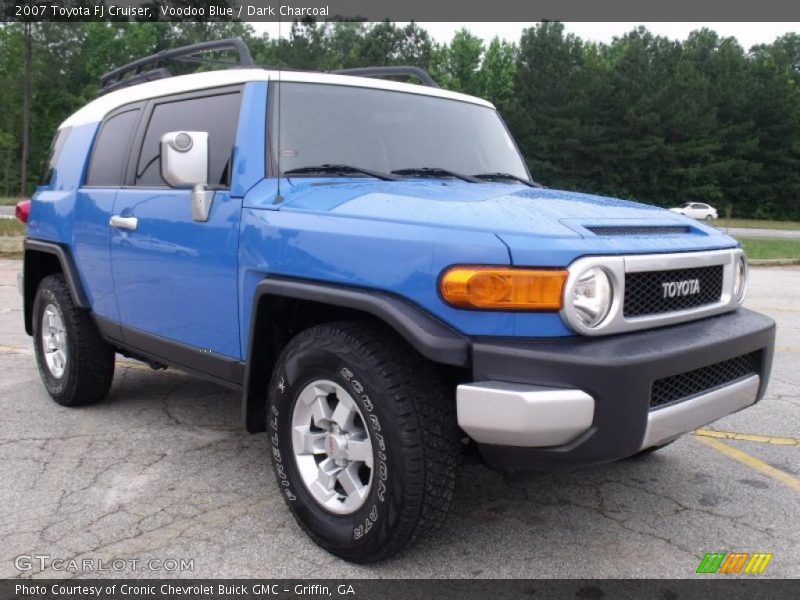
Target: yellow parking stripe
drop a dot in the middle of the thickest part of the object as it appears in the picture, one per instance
(11, 350)
(787, 349)
(752, 462)
(749, 437)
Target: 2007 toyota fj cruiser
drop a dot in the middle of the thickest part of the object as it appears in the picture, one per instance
(369, 262)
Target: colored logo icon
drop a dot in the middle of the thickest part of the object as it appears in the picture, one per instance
(731, 563)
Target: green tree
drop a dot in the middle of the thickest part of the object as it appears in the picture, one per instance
(497, 72)
(642, 117)
(458, 64)
(549, 103)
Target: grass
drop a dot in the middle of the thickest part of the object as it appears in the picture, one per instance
(770, 248)
(756, 224)
(11, 227)
(5, 201)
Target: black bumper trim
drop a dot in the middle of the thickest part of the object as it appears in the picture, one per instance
(618, 372)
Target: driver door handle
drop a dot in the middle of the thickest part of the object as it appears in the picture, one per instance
(129, 223)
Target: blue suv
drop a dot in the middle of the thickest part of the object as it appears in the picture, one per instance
(370, 264)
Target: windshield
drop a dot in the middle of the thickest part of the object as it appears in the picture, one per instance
(386, 131)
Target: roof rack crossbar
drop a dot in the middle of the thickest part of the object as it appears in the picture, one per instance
(116, 78)
(205, 61)
(143, 77)
(421, 74)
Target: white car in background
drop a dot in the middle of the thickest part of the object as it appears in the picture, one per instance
(697, 210)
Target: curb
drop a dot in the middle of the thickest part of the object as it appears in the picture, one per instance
(774, 262)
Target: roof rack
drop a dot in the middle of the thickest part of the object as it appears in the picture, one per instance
(421, 74)
(151, 67)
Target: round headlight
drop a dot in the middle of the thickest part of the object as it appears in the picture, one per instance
(740, 278)
(592, 296)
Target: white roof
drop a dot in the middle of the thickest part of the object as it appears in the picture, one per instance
(97, 109)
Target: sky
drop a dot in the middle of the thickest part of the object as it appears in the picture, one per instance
(748, 34)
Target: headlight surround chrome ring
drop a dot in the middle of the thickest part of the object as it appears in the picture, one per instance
(611, 271)
(740, 275)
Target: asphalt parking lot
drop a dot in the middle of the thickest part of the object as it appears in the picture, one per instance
(162, 470)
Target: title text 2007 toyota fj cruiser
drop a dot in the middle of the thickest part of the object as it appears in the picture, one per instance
(369, 262)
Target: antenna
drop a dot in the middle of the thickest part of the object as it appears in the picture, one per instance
(278, 196)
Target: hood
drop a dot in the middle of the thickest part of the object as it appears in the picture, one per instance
(500, 208)
(528, 220)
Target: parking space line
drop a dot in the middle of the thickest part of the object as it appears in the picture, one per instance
(787, 349)
(752, 462)
(12, 350)
(749, 437)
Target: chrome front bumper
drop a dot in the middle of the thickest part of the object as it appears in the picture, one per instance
(509, 414)
(665, 424)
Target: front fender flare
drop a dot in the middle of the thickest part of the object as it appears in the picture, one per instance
(427, 335)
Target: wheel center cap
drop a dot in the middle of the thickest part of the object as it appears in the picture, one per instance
(336, 446)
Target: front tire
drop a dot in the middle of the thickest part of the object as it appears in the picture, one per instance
(75, 363)
(365, 445)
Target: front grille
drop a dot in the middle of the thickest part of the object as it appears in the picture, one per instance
(645, 293)
(681, 387)
(639, 230)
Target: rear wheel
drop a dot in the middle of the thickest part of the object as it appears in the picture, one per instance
(364, 439)
(75, 364)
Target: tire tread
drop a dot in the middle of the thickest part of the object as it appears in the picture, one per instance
(93, 360)
(421, 403)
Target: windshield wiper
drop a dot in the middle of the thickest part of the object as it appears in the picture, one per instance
(489, 176)
(434, 172)
(340, 170)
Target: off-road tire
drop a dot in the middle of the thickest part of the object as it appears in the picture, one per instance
(406, 402)
(89, 368)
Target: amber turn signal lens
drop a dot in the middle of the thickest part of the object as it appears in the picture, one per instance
(503, 288)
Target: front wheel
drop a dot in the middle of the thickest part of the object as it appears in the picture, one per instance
(365, 444)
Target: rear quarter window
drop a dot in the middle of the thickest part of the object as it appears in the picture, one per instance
(49, 168)
(109, 158)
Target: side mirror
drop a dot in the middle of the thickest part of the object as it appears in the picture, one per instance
(184, 164)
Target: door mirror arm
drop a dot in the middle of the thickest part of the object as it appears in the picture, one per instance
(202, 199)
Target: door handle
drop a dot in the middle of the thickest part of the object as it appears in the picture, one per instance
(129, 223)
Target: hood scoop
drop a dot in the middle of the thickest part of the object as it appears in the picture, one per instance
(616, 230)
